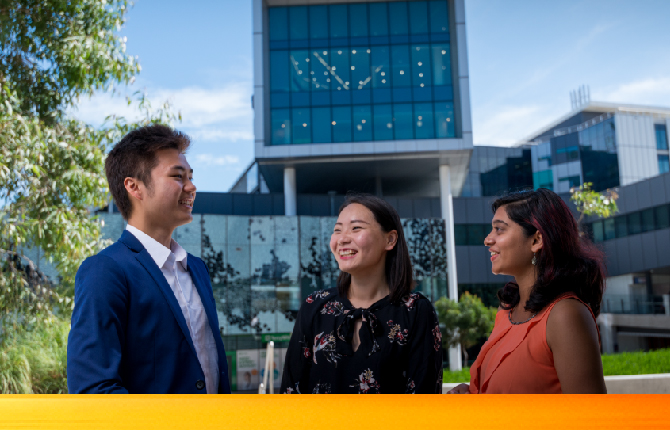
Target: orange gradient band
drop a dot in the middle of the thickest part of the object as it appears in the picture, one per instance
(386, 412)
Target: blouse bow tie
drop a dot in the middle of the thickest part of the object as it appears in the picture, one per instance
(345, 331)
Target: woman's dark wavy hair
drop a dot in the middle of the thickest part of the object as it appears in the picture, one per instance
(398, 265)
(567, 262)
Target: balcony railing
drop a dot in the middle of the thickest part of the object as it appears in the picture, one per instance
(635, 304)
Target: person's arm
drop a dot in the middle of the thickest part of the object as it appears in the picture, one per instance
(97, 336)
(572, 337)
(424, 373)
(298, 360)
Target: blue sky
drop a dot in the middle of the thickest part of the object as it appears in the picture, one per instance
(525, 56)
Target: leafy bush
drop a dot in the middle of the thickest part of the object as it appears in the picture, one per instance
(464, 322)
(35, 361)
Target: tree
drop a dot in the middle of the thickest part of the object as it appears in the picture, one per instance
(589, 202)
(464, 323)
(52, 178)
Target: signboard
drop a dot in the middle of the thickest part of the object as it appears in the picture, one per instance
(250, 367)
(275, 337)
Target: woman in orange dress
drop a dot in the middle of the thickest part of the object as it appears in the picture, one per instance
(545, 338)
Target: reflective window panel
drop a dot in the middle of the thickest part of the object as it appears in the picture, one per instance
(381, 70)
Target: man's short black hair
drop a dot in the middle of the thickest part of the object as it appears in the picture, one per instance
(135, 156)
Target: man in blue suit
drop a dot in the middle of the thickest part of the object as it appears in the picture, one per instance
(144, 319)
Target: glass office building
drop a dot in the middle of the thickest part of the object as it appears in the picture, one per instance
(577, 154)
(360, 72)
(496, 170)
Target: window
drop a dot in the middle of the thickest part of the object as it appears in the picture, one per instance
(598, 235)
(634, 223)
(662, 216)
(648, 220)
(402, 121)
(661, 137)
(608, 227)
(362, 124)
(391, 59)
(621, 226)
(342, 124)
(423, 121)
(383, 122)
(663, 164)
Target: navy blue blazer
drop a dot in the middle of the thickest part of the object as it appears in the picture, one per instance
(128, 332)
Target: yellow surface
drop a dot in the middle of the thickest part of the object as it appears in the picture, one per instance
(334, 412)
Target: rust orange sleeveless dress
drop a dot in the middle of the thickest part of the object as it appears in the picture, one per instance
(516, 358)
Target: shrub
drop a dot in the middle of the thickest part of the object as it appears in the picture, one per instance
(35, 361)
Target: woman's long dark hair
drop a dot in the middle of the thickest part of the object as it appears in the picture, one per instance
(398, 264)
(567, 262)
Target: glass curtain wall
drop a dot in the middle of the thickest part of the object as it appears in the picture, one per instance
(598, 153)
(360, 72)
(263, 267)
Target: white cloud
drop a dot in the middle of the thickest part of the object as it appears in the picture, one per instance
(203, 106)
(221, 134)
(508, 125)
(199, 107)
(650, 91)
(214, 160)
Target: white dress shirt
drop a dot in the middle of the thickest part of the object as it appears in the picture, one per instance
(172, 263)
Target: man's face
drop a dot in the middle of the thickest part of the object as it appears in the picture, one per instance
(168, 201)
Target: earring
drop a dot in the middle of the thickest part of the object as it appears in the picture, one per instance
(534, 260)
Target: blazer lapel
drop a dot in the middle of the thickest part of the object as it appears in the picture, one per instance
(144, 258)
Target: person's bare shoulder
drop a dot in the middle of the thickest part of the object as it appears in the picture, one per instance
(569, 317)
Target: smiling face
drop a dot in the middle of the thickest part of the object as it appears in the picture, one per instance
(511, 251)
(358, 241)
(168, 201)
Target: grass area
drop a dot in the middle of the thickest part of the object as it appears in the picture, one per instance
(637, 363)
(625, 363)
(460, 376)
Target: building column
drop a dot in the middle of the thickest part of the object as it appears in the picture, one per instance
(290, 192)
(607, 333)
(447, 204)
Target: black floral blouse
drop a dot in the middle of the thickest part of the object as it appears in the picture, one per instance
(400, 350)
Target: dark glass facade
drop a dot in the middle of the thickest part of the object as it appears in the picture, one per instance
(598, 152)
(360, 72)
(471, 234)
(581, 153)
(651, 219)
(495, 170)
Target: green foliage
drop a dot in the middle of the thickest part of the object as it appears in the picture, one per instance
(590, 202)
(637, 363)
(465, 322)
(34, 362)
(52, 166)
(54, 51)
(459, 376)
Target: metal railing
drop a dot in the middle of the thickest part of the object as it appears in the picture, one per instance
(635, 304)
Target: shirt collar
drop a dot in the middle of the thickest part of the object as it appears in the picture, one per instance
(159, 253)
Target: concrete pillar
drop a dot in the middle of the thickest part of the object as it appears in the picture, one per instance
(607, 333)
(447, 203)
(290, 192)
(666, 303)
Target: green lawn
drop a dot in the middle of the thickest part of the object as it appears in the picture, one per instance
(625, 363)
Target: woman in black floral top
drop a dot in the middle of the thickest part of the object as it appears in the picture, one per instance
(371, 334)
